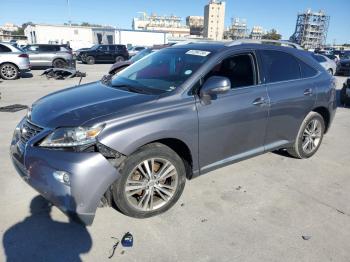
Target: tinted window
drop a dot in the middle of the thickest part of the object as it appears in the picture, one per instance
(49, 48)
(319, 58)
(4, 49)
(112, 48)
(139, 48)
(32, 48)
(239, 69)
(103, 48)
(279, 66)
(306, 70)
(121, 47)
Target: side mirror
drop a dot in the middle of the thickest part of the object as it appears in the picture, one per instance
(213, 86)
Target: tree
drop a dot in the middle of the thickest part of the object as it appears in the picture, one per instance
(272, 35)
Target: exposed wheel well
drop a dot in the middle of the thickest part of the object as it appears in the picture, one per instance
(325, 114)
(182, 150)
(11, 64)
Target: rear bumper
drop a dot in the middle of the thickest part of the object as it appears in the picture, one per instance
(90, 176)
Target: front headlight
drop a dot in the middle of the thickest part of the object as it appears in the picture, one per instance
(71, 137)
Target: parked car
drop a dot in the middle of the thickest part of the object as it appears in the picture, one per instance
(104, 53)
(134, 50)
(13, 61)
(178, 113)
(343, 66)
(327, 63)
(345, 93)
(47, 55)
(116, 67)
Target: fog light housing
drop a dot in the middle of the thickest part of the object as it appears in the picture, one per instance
(62, 176)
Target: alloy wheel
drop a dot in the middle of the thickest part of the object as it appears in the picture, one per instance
(9, 71)
(151, 184)
(312, 136)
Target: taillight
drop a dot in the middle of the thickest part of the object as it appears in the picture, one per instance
(23, 55)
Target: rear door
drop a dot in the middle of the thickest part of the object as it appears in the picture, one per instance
(47, 53)
(102, 53)
(34, 55)
(232, 127)
(291, 96)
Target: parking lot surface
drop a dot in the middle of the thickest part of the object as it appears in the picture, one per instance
(268, 208)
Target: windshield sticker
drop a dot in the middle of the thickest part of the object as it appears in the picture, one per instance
(171, 88)
(197, 52)
(188, 72)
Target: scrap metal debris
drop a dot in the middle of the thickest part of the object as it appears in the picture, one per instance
(13, 108)
(306, 237)
(204, 220)
(114, 247)
(62, 73)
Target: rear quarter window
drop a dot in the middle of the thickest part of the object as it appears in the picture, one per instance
(279, 66)
(4, 49)
(306, 70)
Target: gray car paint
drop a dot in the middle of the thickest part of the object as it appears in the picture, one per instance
(227, 130)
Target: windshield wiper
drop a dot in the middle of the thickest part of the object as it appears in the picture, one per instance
(131, 88)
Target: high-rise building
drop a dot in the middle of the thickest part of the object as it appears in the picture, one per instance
(311, 29)
(214, 20)
(196, 25)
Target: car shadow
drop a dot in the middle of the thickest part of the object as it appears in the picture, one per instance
(39, 238)
(26, 75)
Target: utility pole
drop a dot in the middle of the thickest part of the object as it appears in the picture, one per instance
(69, 13)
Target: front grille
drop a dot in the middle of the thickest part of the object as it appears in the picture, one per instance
(29, 130)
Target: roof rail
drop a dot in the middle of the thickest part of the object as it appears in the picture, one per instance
(264, 41)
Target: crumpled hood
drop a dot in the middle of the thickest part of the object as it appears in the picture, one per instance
(74, 106)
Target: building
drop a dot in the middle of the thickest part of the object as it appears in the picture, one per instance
(85, 36)
(214, 20)
(196, 25)
(257, 32)
(10, 27)
(237, 30)
(169, 24)
(311, 29)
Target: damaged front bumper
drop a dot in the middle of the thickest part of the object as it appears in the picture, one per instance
(90, 176)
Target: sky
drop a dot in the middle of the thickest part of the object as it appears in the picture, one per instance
(280, 15)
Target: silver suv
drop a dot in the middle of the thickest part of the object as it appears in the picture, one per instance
(46, 55)
(12, 61)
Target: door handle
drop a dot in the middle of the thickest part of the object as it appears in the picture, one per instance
(259, 101)
(308, 92)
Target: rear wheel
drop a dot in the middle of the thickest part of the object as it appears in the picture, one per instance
(309, 137)
(9, 71)
(330, 71)
(119, 59)
(90, 60)
(59, 63)
(152, 180)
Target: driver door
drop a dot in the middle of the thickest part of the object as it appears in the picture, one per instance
(232, 127)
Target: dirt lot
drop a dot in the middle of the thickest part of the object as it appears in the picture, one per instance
(256, 210)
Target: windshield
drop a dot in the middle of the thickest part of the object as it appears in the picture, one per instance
(141, 54)
(162, 71)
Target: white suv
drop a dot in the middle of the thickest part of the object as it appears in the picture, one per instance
(13, 61)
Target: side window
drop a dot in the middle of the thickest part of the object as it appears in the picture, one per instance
(239, 69)
(112, 48)
(48, 48)
(33, 48)
(306, 70)
(103, 48)
(319, 58)
(279, 66)
(4, 49)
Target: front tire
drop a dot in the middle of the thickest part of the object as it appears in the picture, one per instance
(309, 137)
(90, 60)
(152, 180)
(119, 59)
(9, 71)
